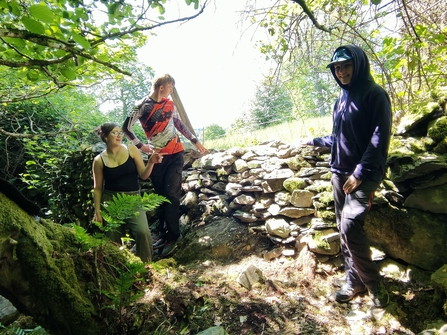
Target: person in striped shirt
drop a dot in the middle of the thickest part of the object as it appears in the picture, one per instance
(160, 121)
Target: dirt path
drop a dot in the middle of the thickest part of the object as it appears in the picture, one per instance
(186, 299)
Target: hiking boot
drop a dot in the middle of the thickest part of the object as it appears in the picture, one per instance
(169, 248)
(160, 243)
(339, 282)
(379, 295)
(347, 292)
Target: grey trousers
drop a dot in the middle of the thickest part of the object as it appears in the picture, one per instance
(139, 228)
(351, 210)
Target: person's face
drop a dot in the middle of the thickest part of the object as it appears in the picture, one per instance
(166, 89)
(115, 136)
(344, 71)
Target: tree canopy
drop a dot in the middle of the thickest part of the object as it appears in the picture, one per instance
(214, 131)
(48, 45)
(405, 41)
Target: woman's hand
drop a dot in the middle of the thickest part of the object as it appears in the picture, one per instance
(156, 158)
(97, 217)
(147, 148)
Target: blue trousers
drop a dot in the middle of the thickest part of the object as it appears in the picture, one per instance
(167, 181)
(351, 210)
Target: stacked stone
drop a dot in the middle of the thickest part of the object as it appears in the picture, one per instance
(278, 189)
(284, 191)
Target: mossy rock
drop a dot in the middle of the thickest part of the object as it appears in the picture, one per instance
(437, 129)
(405, 148)
(296, 163)
(294, 183)
(326, 215)
(410, 158)
(414, 236)
(439, 278)
(441, 147)
(440, 94)
(326, 198)
(44, 270)
(416, 121)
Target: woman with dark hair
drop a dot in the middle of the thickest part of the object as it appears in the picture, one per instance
(116, 170)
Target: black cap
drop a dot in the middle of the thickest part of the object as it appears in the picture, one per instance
(341, 55)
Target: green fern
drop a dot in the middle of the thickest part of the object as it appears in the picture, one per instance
(122, 294)
(14, 330)
(152, 201)
(115, 212)
(86, 240)
(124, 206)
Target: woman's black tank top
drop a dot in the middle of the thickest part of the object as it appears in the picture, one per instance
(123, 178)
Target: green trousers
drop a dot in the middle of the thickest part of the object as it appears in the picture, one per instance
(139, 229)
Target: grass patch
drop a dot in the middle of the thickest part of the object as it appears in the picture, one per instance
(290, 132)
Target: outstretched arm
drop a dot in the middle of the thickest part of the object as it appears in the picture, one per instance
(127, 129)
(183, 129)
(144, 171)
(201, 148)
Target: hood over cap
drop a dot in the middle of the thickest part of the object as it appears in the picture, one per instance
(340, 55)
(361, 73)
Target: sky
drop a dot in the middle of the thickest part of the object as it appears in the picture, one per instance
(212, 58)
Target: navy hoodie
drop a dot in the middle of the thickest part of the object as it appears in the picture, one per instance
(362, 120)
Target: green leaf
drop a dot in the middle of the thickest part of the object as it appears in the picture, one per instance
(113, 8)
(376, 2)
(81, 40)
(32, 75)
(33, 26)
(42, 13)
(14, 8)
(68, 73)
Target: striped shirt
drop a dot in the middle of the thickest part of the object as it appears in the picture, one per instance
(159, 120)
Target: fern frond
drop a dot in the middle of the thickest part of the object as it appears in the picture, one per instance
(124, 206)
(86, 240)
(152, 201)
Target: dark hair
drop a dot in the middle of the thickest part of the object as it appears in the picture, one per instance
(104, 130)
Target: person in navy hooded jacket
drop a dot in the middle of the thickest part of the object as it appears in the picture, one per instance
(359, 143)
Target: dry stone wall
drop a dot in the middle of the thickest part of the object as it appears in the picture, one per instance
(284, 191)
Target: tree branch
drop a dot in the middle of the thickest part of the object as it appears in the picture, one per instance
(138, 29)
(409, 21)
(52, 43)
(311, 16)
(17, 135)
(71, 48)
